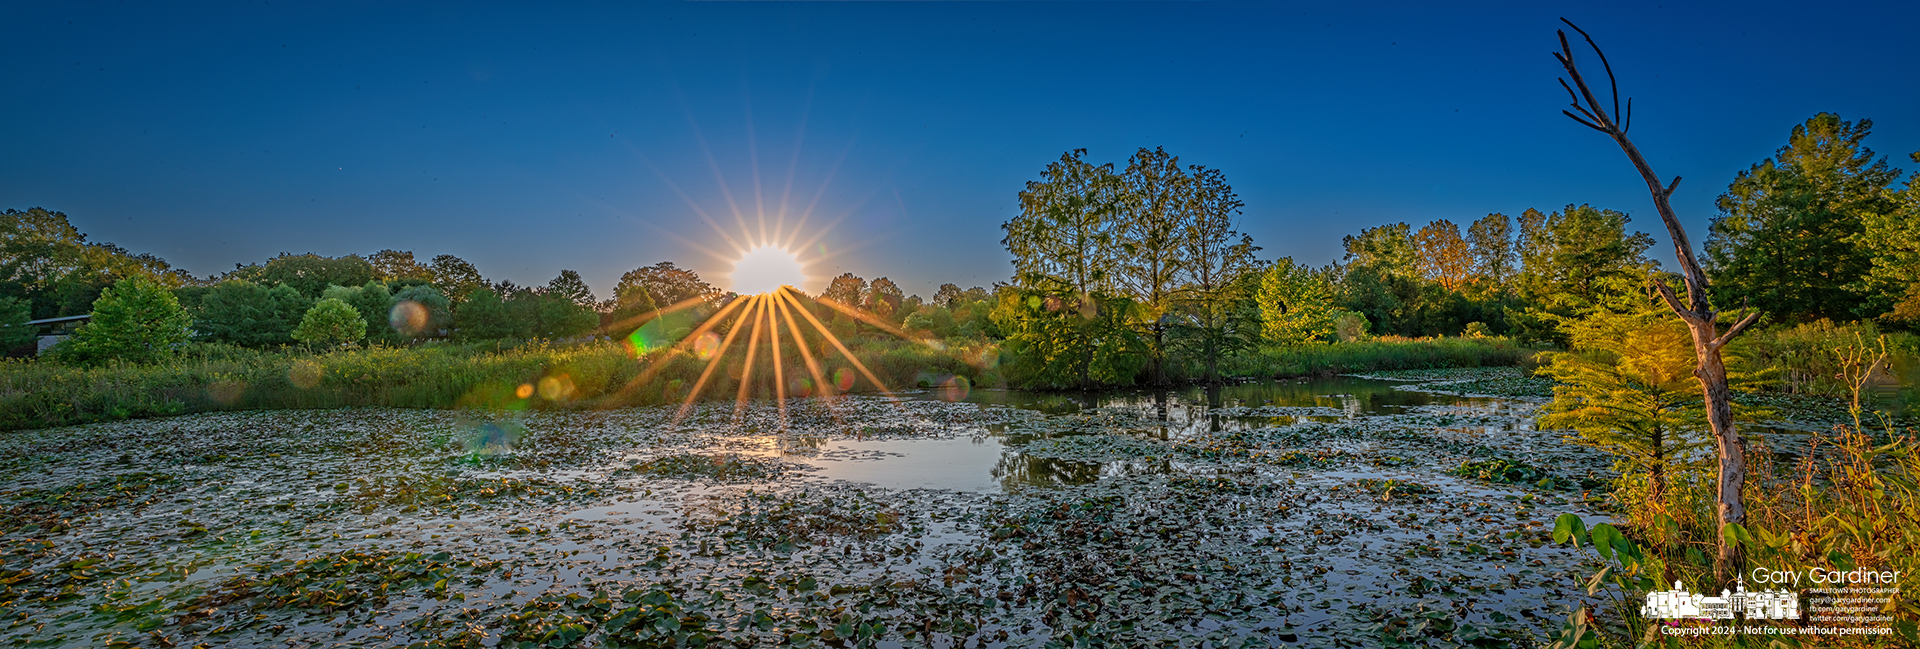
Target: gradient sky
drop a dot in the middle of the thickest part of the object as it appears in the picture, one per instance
(530, 139)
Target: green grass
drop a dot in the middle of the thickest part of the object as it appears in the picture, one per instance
(35, 394)
(1376, 356)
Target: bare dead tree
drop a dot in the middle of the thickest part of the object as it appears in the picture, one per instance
(1696, 311)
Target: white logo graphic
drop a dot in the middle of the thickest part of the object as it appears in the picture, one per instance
(1768, 604)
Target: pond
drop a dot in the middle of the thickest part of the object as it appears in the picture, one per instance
(1325, 512)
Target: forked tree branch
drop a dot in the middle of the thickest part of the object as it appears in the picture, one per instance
(1588, 104)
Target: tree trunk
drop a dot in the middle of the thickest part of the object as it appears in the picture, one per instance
(1697, 311)
(1712, 372)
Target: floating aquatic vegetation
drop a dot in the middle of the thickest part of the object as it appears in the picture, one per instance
(714, 467)
(1501, 470)
(617, 529)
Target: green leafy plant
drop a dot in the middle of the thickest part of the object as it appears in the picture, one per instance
(331, 322)
(134, 321)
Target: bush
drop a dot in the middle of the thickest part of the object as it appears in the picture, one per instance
(134, 321)
(331, 322)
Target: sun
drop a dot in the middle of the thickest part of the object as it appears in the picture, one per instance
(765, 269)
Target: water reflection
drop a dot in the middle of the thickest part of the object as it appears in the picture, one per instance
(1264, 404)
(993, 461)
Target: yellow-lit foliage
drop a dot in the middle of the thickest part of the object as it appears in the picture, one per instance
(1444, 256)
(1628, 389)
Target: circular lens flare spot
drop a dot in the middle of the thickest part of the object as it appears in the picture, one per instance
(525, 390)
(765, 269)
(706, 345)
(408, 317)
(842, 379)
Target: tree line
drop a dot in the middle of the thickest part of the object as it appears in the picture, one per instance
(1121, 270)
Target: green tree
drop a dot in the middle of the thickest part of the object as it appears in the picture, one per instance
(946, 295)
(240, 312)
(15, 333)
(331, 321)
(310, 273)
(1296, 305)
(372, 302)
(1388, 248)
(668, 285)
(1381, 279)
(884, 298)
(1066, 238)
(1155, 213)
(398, 266)
(568, 286)
(847, 289)
(1574, 261)
(420, 311)
(1627, 388)
(48, 262)
(1218, 274)
(1490, 242)
(136, 321)
(484, 316)
(1788, 238)
(1892, 242)
(1064, 339)
(558, 317)
(455, 278)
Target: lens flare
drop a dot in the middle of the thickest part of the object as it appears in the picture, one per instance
(408, 317)
(765, 269)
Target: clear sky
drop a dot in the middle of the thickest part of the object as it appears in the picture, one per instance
(527, 139)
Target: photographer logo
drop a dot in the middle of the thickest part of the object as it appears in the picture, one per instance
(1768, 604)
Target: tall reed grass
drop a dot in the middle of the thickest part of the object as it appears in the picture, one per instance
(36, 394)
(1379, 354)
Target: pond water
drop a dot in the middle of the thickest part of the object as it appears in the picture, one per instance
(990, 459)
(1323, 512)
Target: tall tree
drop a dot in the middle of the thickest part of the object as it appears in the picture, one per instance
(1388, 248)
(667, 285)
(311, 274)
(1381, 279)
(847, 289)
(455, 278)
(45, 260)
(398, 266)
(1443, 255)
(239, 312)
(1066, 233)
(1490, 242)
(1697, 311)
(1218, 273)
(884, 298)
(1065, 246)
(1788, 236)
(946, 295)
(1892, 241)
(1154, 217)
(568, 286)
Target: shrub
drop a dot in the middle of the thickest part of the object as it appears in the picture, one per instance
(331, 322)
(135, 321)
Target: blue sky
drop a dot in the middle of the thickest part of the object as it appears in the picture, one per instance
(530, 139)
